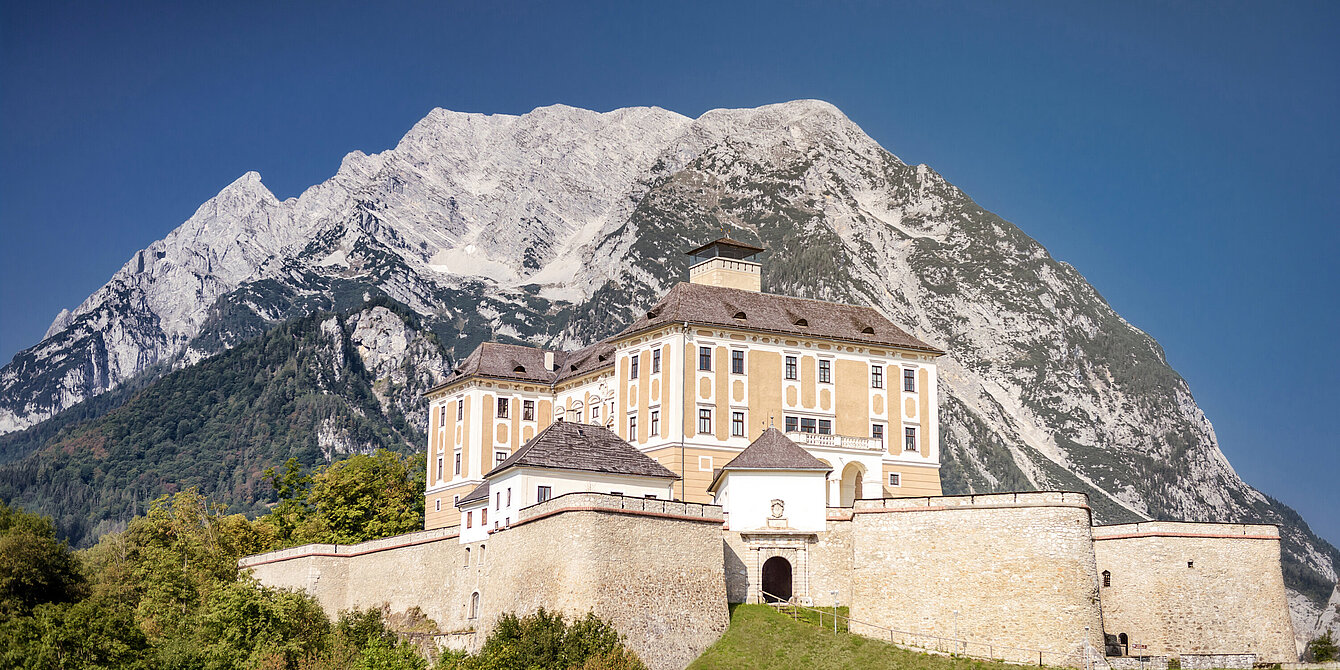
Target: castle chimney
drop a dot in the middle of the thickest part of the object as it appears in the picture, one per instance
(726, 262)
(549, 361)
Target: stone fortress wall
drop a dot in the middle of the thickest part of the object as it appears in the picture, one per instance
(1195, 588)
(1011, 574)
(652, 568)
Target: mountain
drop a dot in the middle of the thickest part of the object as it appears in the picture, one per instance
(557, 226)
(311, 388)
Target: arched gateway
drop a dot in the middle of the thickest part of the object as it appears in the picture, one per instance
(776, 580)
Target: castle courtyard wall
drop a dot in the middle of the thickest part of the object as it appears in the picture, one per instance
(652, 568)
(1011, 573)
(1196, 588)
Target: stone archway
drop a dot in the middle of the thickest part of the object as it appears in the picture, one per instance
(852, 475)
(776, 580)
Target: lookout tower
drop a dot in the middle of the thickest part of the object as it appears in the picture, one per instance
(726, 262)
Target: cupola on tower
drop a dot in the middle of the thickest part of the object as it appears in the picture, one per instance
(727, 263)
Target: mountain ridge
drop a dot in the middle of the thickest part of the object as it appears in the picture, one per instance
(556, 226)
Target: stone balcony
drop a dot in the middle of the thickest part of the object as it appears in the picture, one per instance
(836, 441)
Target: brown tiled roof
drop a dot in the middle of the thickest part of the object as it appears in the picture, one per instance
(480, 492)
(576, 446)
(579, 362)
(771, 451)
(750, 310)
(504, 361)
(727, 242)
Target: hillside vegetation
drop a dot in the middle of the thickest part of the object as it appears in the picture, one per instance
(759, 638)
(301, 391)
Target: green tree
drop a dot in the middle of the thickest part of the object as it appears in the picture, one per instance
(547, 641)
(246, 625)
(35, 567)
(293, 510)
(367, 497)
(1323, 648)
(92, 633)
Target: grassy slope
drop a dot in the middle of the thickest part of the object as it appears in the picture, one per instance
(759, 639)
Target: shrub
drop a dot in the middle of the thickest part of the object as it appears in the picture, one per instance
(1323, 648)
(547, 641)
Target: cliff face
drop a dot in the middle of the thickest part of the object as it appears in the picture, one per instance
(558, 226)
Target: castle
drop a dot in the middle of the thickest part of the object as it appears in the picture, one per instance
(737, 446)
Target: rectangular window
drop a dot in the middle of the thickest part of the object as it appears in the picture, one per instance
(650, 496)
(543, 493)
(497, 500)
(503, 404)
(595, 413)
(705, 463)
(460, 409)
(790, 367)
(825, 372)
(876, 377)
(458, 463)
(895, 479)
(808, 426)
(509, 496)
(909, 380)
(439, 468)
(499, 457)
(792, 424)
(877, 433)
(825, 427)
(737, 424)
(484, 520)
(442, 416)
(704, 421)
(632, 365)
(527, 410)
(469, 519)
(655, 361)
(655, 422)
(736, 362)
(438, 505)
(455, 501)
(705, 359)
(910, 439)
(632, 427)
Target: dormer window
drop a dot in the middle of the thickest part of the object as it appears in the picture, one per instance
(802, 323)
(868, 331)
(739, 316)
(519, 368)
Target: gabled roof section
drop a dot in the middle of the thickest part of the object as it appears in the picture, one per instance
(504, 361)
(577, 446)
(480, 492)
(800, 317)
(577, 363)
(773, 450)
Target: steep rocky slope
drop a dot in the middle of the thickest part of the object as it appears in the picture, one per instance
(557, 226)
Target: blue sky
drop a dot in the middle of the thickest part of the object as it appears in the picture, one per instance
(1183, 156)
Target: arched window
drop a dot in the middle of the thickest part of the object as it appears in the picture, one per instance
(519, 368)
(1107, 578)
(868, 330)
(739, 316)
(474, 605)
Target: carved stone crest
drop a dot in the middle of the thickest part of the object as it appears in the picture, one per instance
(778, 509)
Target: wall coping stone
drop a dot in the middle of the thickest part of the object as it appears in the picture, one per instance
(973, 501)
(1243, 531)
(371, 546)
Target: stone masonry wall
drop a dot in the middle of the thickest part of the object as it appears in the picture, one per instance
(1010, 573)
(1196, 588)
(654, 569)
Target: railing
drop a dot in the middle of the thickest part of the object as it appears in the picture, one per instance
(1084, 656)
(836, 441)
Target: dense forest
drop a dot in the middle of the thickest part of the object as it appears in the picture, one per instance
(166, 592)
(300, 391)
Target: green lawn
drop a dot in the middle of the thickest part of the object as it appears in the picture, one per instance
(761, 639)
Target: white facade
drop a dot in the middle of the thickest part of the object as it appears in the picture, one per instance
(521, 486)
(749, 497)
